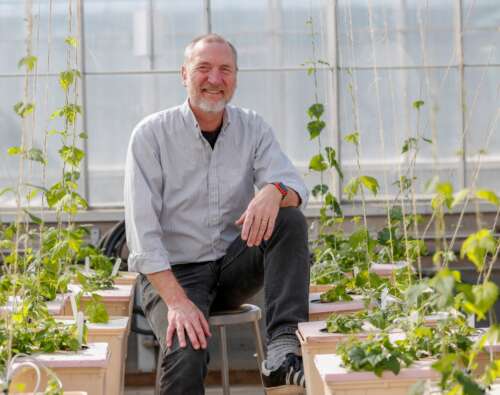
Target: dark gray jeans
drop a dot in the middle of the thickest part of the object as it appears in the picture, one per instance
(281, 265)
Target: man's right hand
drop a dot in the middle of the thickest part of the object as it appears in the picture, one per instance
(183, 315)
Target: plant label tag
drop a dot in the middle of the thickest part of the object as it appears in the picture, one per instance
(74, 309)
(86, 269)
(79, 325)
(116, 267)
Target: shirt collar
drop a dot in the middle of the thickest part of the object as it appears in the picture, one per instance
(190, 119)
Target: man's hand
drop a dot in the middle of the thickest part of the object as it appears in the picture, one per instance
(260, 216)
(184, 317)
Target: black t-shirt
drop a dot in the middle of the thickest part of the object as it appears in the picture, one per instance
(211, 137)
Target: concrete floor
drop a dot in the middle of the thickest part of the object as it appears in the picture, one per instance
(235, 390)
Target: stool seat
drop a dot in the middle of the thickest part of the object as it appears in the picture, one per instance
(240, 315)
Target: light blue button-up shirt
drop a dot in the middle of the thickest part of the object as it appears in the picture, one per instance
(182, 198)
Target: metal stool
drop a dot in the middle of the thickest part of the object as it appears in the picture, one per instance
(220, 319)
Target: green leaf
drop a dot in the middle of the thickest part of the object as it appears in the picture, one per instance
(96, 311)
(352, 188)
(488, 195)
(427, 140)
(29, 61)
(417, 104)
(469, 386)
(485, 296)
(23, 109)
(477, 246)
(408, 144)
(332, 202)
(370, 183)
(14, 151)
(83, 136)
(352, 138)
(69, 112)
(37, 155)
(71, 155)
(71, 41)
(330, 155)
(318, 163)
(33, 218)
(444, 195)
(316, 111)
(315, 127)
(319, 189)
(460, 196)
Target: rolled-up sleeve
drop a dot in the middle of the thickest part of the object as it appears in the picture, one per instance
(272, 165)
(143, 203)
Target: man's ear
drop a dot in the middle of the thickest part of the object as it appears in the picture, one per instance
(183, 74)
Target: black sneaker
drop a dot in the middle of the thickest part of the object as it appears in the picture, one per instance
(288, 379)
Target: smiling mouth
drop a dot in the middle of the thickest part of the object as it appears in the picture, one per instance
(212, 92)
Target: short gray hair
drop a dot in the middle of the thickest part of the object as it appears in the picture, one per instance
(209, 38)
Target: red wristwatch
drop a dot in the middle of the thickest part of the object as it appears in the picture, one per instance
(281, 188)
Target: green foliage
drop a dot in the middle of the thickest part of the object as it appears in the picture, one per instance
(71, 41)
(67, 78)
(95, 310)
(477, 246)
(488, 196)
(71, 155)
(30, 335)
(28, 61)
(352, 138)
(417, 104)
(346, 323)
(317, 163)
(24, 109)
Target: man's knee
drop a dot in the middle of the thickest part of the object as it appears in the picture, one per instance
(180, 363)
(291, 219)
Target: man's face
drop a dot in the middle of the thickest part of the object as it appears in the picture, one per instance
(210, 76)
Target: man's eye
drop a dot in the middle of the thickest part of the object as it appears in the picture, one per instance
(203, 68)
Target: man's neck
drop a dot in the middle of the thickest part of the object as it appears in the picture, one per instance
(208, 121)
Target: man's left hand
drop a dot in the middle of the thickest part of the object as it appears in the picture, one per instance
(260, 216)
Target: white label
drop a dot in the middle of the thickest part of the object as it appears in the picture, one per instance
(86, 270)
(72, 299)
(80, 319)
(116, 267)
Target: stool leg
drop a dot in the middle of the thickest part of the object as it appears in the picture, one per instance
(158, 371)
(260, 347)
(225, 362)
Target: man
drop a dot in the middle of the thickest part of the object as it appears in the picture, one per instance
(200, 235)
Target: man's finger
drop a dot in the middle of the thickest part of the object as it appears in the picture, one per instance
(270, 228)
(170, 334)
(240, 220)
(246, 226)
(193, 335)
(200, 334)
(204, 325)
(181, 335)
(254, 230)
(262, 230)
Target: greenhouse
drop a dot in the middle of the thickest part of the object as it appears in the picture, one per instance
(249, 197)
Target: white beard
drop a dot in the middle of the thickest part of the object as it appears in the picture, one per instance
(207, 106)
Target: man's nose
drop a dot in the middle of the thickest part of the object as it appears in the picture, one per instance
(214, 77)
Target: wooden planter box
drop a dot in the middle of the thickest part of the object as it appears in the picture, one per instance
(119, 301)
(115, 334)
(315, 342)
(83, 370)
(321, 311)
(126, 278)
(340, 381)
